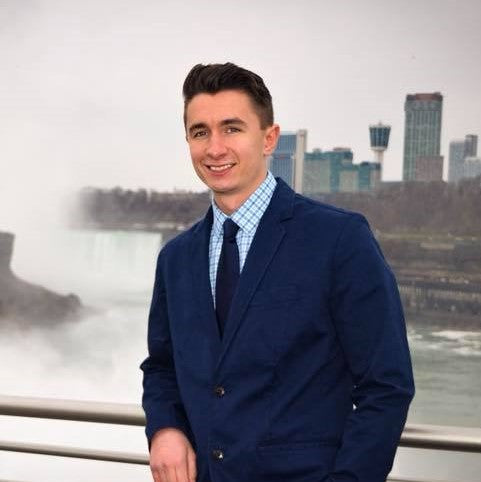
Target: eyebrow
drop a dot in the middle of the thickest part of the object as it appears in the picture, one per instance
(234, 120)
(194, 127)
(230, 121)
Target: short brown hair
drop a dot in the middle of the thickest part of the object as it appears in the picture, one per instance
(213, 78)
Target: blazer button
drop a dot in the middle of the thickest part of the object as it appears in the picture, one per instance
(219, 391)
(218, 454)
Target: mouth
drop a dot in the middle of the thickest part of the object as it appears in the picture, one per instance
(221, 168)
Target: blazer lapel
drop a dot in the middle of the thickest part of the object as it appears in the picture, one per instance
(201, 289)
(267, 239)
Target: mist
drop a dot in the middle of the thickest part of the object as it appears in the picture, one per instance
(95, 358)
(91, 91)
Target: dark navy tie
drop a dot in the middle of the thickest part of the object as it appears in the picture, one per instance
(227, 273)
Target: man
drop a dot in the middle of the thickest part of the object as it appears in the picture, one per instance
(277, 344)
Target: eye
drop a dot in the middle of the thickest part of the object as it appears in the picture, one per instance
(232, 129)
(198, 134)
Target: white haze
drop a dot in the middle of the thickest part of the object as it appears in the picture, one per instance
(96, 358)
(90, 91)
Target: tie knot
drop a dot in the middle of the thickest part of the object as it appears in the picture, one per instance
(230, 230)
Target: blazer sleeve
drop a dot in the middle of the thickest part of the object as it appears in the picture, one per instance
(370, 325)
(161, 399)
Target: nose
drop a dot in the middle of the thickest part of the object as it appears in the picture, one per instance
(216, 147)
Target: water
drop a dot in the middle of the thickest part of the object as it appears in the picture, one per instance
(447, 365)
(448, 392)
(98, 358)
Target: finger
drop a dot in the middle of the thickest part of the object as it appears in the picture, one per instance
(157, 475)
(181, 472)
(191, 466)
(170, 472)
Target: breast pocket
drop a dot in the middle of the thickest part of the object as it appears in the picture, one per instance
(263, 333)
(275, 296)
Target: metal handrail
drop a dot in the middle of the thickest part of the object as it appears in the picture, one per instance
(75, 410)
(442, 437)
(75, 452)
(78, 411)
(435, 437)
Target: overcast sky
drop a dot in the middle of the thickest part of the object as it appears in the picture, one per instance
(90, 91)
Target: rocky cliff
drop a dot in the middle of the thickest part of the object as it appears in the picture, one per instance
(23, 302)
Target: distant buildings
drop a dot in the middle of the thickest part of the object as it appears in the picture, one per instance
(471, 145)
(369, 175)
(456, 160)
(462, 158)
(319, 171)
(422, 137)
(287, 161)
(472, 166)
(320, 168)
(334, 171)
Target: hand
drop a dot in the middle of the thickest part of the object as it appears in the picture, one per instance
(172, 458)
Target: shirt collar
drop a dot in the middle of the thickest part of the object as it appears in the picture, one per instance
(249, 214)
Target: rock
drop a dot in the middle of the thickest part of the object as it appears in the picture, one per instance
(6, 250)
(25, 302)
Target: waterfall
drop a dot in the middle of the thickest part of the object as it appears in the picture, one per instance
(91, 263)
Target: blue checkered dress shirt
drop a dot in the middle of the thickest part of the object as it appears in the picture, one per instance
(247, 217)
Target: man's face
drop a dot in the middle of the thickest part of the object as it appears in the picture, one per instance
(227, 144)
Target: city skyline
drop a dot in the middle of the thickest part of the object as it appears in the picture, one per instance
(91, 91)
(325, 171)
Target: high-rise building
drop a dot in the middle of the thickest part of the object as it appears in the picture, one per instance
(428, 168)
(456, 160)
(472, 167)
(369, 175)
(422, 130)
(459, 152)
(334, 171)
(321, 169)
(317, 172)
(282, 159)
(471, 145)
(287, 161)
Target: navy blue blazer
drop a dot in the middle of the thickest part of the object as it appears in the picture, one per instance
(312, 379)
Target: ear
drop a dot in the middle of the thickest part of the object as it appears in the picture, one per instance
(271, 137)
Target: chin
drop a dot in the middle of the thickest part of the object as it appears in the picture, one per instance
(221, 185)
(221, 189)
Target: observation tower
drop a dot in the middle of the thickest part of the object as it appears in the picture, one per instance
(379, 135)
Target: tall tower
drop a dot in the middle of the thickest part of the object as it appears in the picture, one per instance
(287, 161)
(379, 136)
(422, 130)
(301, 147)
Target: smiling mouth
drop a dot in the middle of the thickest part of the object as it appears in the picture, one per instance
(224, 167)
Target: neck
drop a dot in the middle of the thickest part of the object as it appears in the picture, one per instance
(229, 204)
